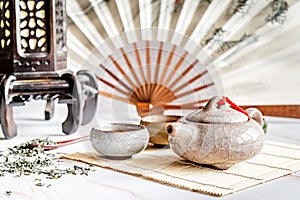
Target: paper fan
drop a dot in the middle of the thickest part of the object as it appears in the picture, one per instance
(171, 54)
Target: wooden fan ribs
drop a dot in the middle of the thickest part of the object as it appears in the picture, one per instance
(158, 61)
(148, 66)
(171, 75)
(184, 73)
(156, 87)
(145, 93)
(134, 96)
(130, 66)
(139, 63)
(115, 78)
(194, 90)
(161, 92)
(122, 71)
(137, 95)
(113, 96)
(167, 65)
(184, 85)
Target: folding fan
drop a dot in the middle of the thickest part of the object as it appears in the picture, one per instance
(172, 54)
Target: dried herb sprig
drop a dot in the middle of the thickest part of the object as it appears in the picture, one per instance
(26, 149)
(27, 160)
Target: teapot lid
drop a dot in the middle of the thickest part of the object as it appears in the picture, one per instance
(217, 111)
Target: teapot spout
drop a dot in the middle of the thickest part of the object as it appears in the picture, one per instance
(180, 131)
(171, 129)
(176, 128)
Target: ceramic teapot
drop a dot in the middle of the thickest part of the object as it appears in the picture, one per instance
(218, 135)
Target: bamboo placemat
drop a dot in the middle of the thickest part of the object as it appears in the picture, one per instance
(163, 166)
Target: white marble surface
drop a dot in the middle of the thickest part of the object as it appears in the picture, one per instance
(107, 184)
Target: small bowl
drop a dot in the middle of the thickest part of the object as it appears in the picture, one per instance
(119, 141)
(157, 127)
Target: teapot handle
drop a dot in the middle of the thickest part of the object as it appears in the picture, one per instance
(256, 115)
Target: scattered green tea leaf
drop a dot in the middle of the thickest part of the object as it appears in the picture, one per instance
(25, 159)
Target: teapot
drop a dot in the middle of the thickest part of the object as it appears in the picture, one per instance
(219, 135)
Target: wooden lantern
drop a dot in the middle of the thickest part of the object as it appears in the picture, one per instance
(33, 63)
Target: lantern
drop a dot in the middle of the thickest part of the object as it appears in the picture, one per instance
(33, 64)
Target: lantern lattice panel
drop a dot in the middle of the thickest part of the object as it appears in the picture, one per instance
(33, 26)
(5, 28)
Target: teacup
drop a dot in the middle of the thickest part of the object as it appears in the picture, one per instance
(119, 141)
(157, 127)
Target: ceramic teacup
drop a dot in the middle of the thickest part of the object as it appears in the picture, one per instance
(119, 141)
(157, 127)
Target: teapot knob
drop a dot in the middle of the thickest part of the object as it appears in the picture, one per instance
(214, 103)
